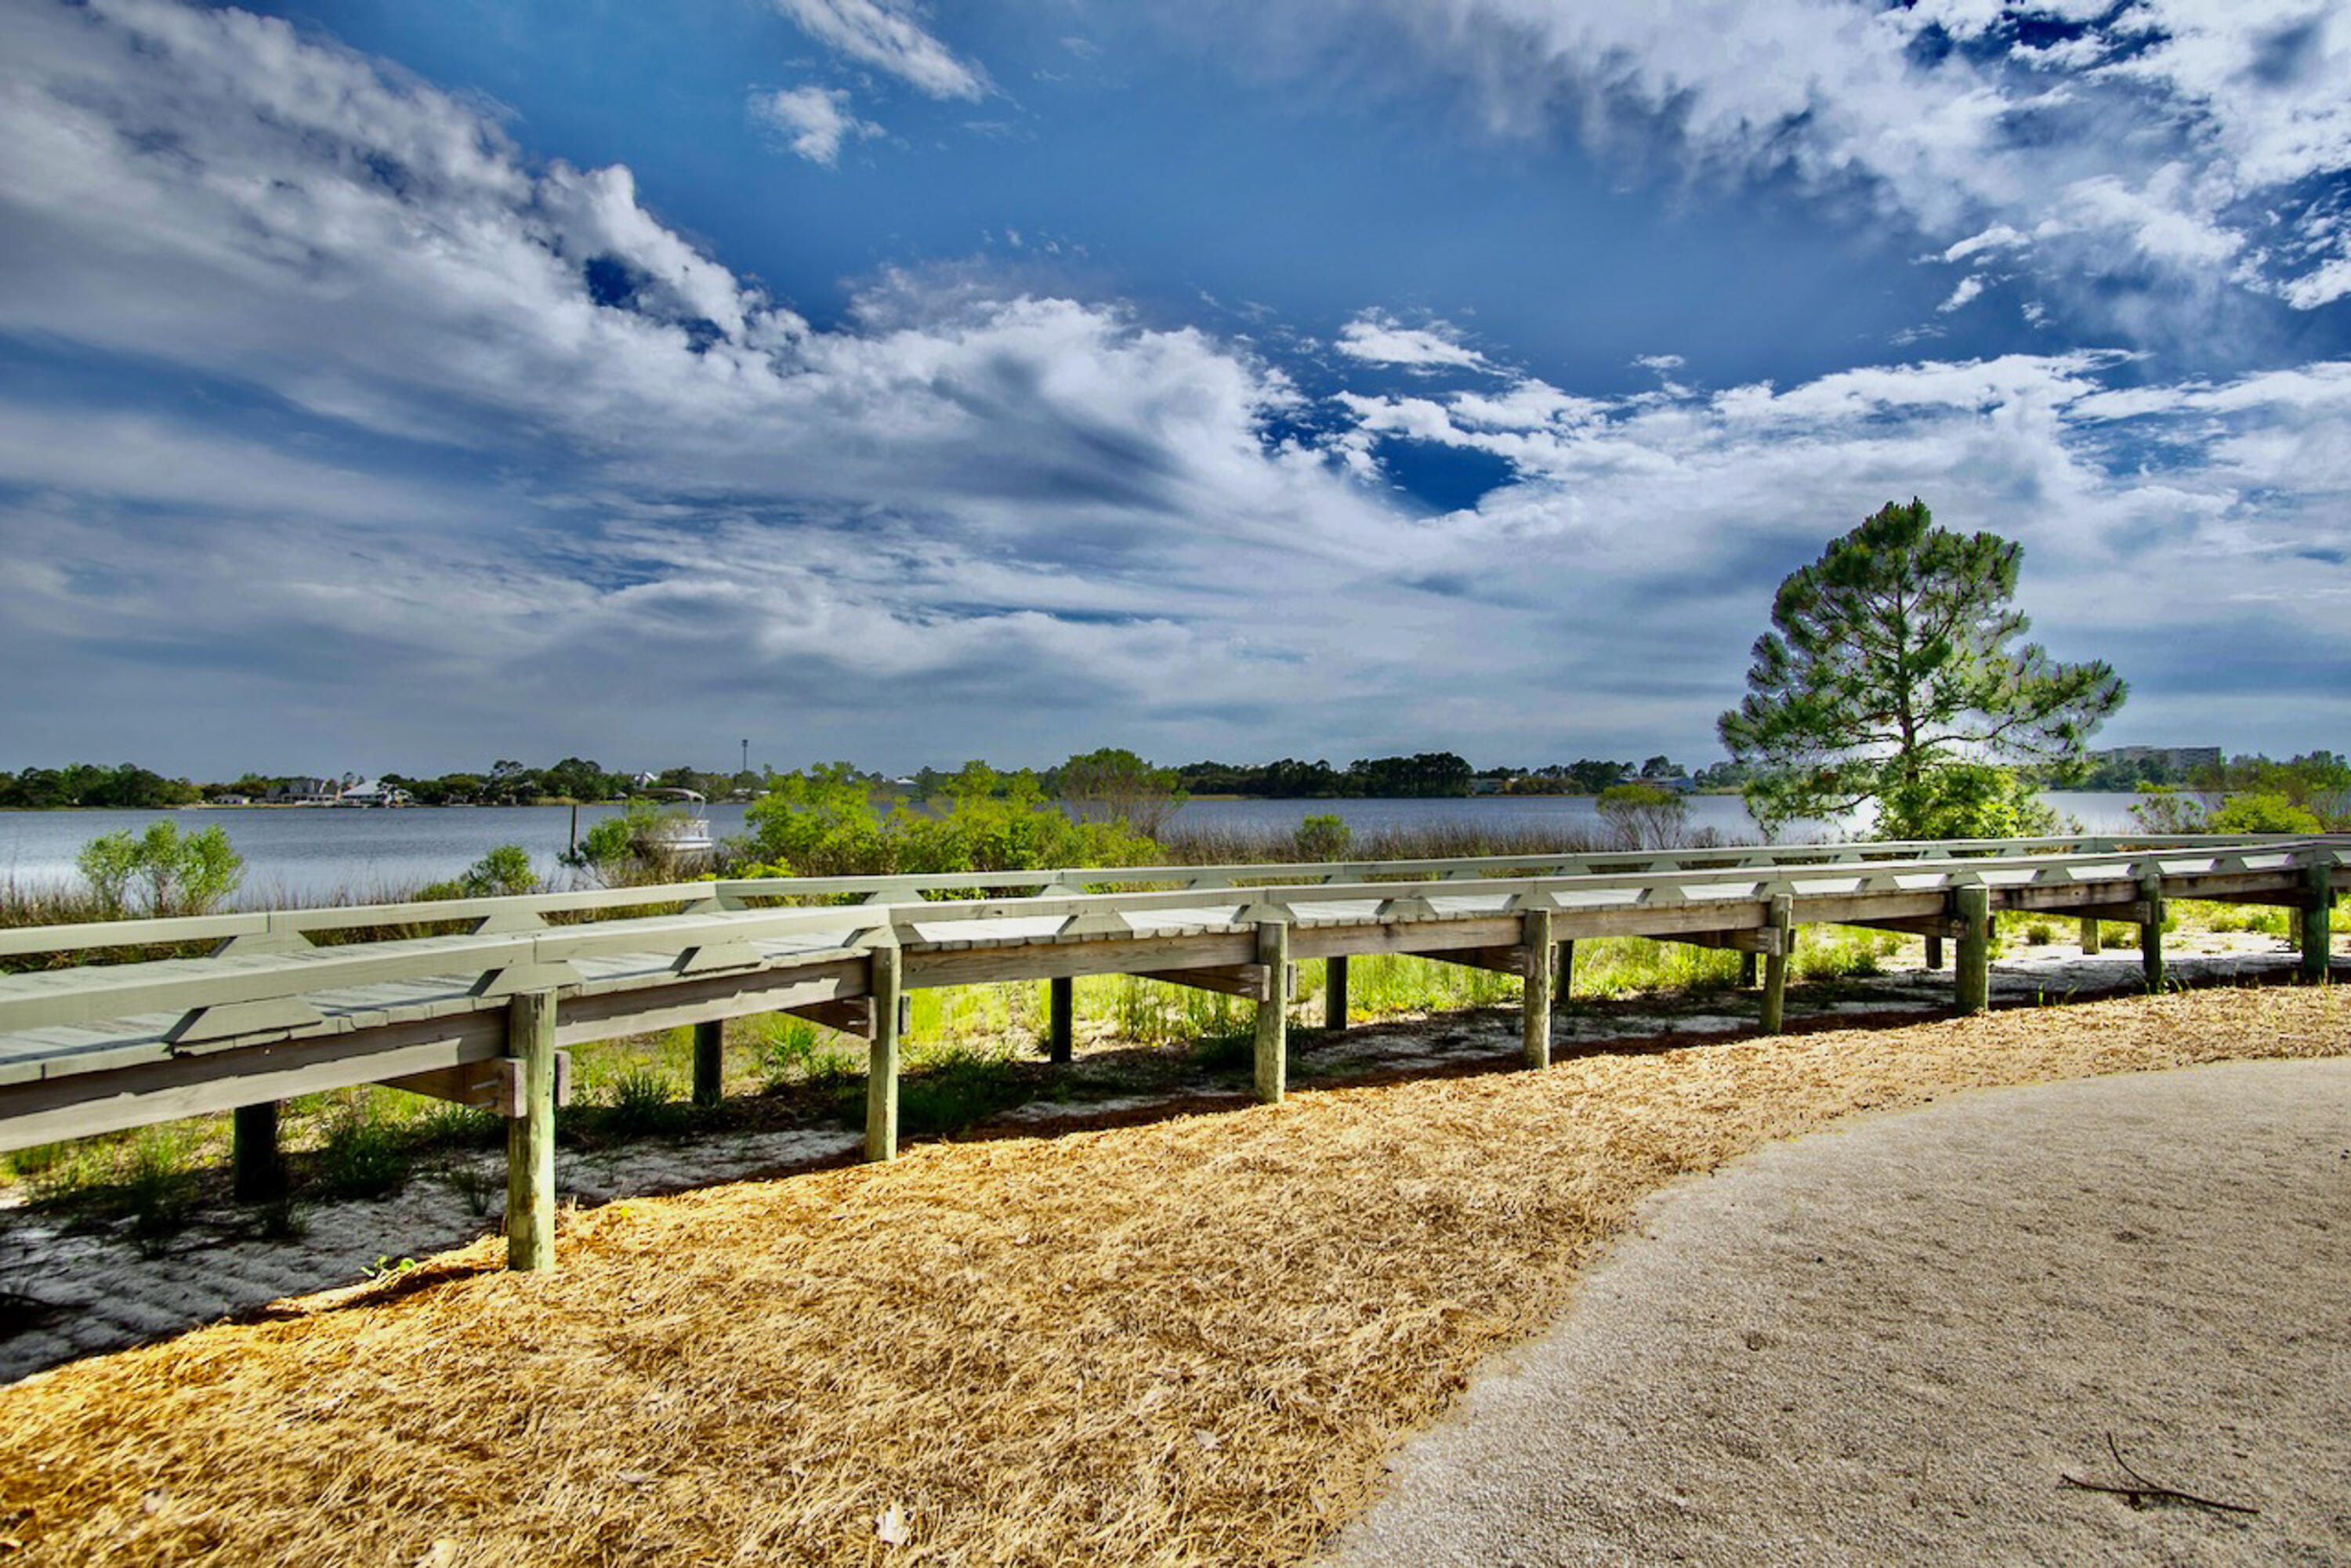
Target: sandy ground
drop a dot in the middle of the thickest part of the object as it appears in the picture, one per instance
(1887, 1342)
(108, 1294)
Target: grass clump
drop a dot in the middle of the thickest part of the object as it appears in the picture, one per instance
(365, 1154)
(640, 1102)
(955, 1085)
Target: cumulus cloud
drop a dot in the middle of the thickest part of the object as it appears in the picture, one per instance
(815, 120)
(889, 36)
(1379, 338)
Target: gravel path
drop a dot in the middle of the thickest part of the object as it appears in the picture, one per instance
(1887, 1342)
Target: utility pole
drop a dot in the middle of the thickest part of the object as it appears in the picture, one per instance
(746, 754)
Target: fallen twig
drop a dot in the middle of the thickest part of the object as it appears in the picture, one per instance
(2144, 1492)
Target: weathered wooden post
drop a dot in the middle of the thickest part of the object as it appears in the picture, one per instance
(2094, 937)
(1972, 982)
(1534, 955)
(1061, 1004)
(2317, 924)
(886, 985)
(1747, 970)
(1273, 1013)
(1334, 992)
(2150, 929)
(1782, 922)
(530, 1132)
(258, 1170)
(710, 1062)
(1564, 986)
(1934, 952)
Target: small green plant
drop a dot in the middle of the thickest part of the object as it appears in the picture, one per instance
(280, 1218)
(2040, 934)
(474, 1185)
(159, 1194)
(795, 1052)
(642, 1099)
(1323, 838)
(364, 1154)
(384, 1269)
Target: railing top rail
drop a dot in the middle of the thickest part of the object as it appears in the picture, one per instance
(96, 993)
(531, 908)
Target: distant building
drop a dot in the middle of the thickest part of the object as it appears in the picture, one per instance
(374, 793)
(2181, 760)
(306, 792)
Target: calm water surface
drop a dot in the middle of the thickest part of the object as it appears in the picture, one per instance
(306, 854)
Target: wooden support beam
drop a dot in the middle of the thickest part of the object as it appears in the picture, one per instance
(1750, 942)
(2133, 913)
(886, 986)
(710, 1062)
(1934, 927)
(2150, 929)
(1775, 965)
(498, 1084)
(1062, 1017)
(1506, 960)
(1273, 1012)
(530, 1135)
(843, 1015)
(1564, 986)
(258, 1169)
(1334, 992)
(1972, 978)
(2094, 939)
(1748, 970)
(2318, 927)
(1535, 955)
(1248, 981)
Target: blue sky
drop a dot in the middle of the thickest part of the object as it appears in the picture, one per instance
(400, 386)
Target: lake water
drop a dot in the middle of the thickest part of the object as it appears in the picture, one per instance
(293, 853)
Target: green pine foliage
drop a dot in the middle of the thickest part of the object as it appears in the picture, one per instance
(1892, 675)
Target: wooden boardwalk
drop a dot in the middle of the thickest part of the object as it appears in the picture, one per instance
(481, 1012)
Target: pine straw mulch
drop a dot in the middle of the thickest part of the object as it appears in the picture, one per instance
(1181, 1342)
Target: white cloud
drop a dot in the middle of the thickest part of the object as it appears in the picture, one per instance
(817, 120)
(1968, 288)
(2000, 236)
(963, 519)
(2180, 134)
(888, 35)
(1379, 337)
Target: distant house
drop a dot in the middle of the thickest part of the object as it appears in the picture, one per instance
(306, 792)
(1679, 783)
(374, 793)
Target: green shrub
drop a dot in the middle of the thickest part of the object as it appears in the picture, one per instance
(2259, 811)
(174, 874)
(824, 823)
(1323, 838)
(504, 873)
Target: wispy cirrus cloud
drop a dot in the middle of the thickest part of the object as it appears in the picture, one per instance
(2205, 143)
(891, 37)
